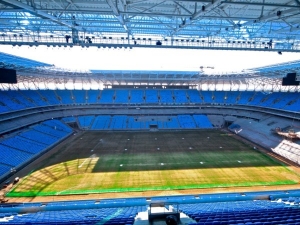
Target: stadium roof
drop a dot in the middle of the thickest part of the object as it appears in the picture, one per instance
(30, 71)
(219, 24)
(15, 62)
(292, 66)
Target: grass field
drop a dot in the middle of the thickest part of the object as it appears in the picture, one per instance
(98, 162)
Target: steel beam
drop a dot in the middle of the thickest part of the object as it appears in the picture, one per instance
(38, 13)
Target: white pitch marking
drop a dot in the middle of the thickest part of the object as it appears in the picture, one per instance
(91, 156)
(82, 163)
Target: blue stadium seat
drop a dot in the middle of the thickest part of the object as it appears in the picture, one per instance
(202, 121)
(122, 96)
(194, 96)
(20, 98)
(65, 96)
(101, 123)
(9, 102)
(245, 97)
(257, 98)
(93, 96)
(186, 121)
(107, 96)
(35, 96)
(166, 96)
(85, 121)
(207, 96)
(137, 96)
(22, 147)
(118, 123)
(50, 97)
(218, 97)
(69, 119)
(231, 97)
(180, 96)
(79, 96)
(151, 96)
(134, 124)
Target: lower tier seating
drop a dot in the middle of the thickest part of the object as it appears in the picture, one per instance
(121, 122)
(24, 146)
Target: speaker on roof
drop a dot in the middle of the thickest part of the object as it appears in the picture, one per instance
(290, 80)
(8, 76)
(278, 13)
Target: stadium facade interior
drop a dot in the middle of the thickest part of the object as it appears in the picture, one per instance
(48, 109)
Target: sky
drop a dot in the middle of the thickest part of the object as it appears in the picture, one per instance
(83, 59)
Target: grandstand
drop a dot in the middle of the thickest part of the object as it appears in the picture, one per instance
(102, 146)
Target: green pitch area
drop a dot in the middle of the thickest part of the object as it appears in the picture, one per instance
(97, 162)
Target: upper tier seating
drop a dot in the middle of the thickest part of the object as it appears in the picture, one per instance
(245, 97)
(19, 100)
(19, 97)
(122, 96)
(194, 96)
(107, 96)
(35, 97)
(166, 96)
(180, 96)
(65, 96)
(231, 97)
(151, 96)
(137, 96)
(8, 103)
(50, 97)
(93, 96)
(79, 96)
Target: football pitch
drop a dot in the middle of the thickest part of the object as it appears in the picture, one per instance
(101, 162)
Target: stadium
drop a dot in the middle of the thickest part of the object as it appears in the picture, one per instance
(149, 146)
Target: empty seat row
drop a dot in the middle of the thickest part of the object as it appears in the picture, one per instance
(18, 100)
(121, 122)
(24, 146)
